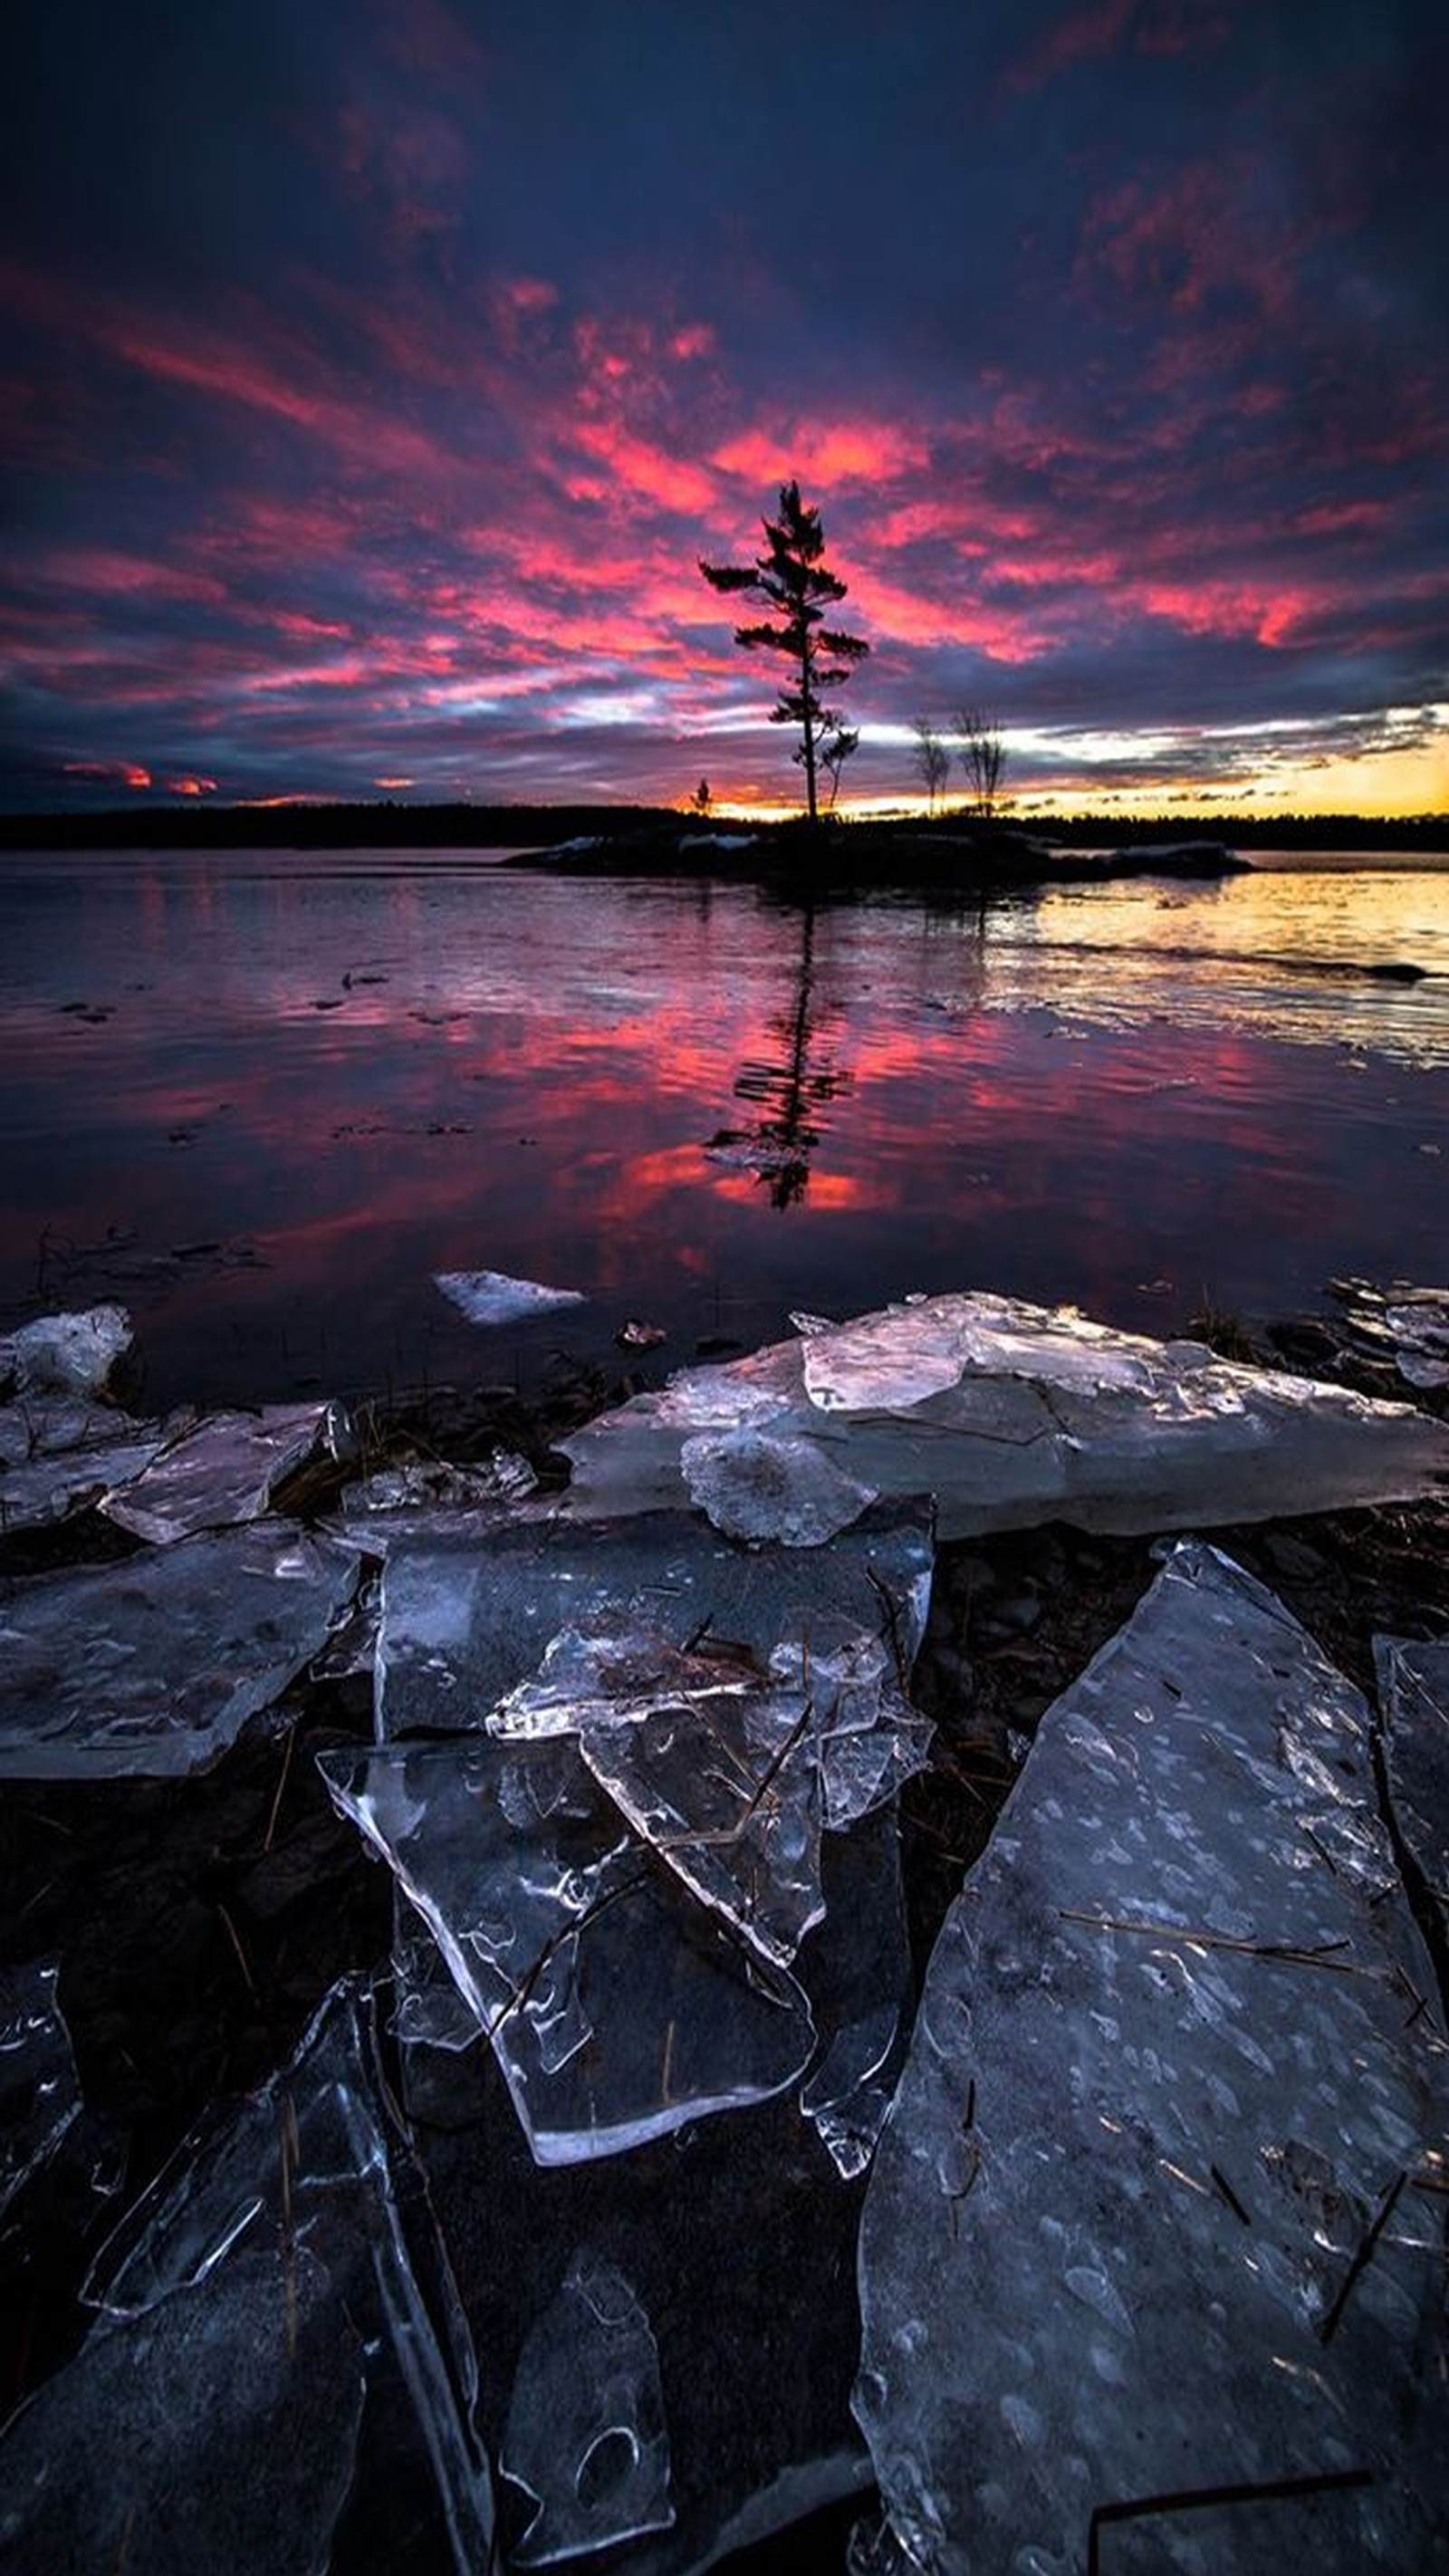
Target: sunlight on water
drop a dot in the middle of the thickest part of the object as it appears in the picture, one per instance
(264, 1098)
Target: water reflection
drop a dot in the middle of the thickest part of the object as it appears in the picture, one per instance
(290, 1094)
(790, 1088)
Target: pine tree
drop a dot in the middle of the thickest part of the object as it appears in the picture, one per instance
(791, 575)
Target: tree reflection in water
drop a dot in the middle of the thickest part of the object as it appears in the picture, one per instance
(789, 1089)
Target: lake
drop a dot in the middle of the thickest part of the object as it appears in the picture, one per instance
(262, 1098)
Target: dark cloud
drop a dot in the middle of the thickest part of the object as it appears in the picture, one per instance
(375, 377)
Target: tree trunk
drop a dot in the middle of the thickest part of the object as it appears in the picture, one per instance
(809, 723)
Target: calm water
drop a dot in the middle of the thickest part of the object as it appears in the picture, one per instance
(262, 1098)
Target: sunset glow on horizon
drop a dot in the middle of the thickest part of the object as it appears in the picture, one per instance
(373, 389)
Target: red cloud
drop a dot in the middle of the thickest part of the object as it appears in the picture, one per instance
(124, 576)
(641, 468)
(110, 773)
(822, 453)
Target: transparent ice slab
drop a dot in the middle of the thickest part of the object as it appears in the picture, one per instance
(152, 1667)
(72, 1354)
(39, 2089)
(224, 1471)
(1413, 1689)
(469, 1618)
(491, 1297)
(1011, 1414)
(586, 2437)
(312, 2174)
(616, 2010)
(1159, 2206)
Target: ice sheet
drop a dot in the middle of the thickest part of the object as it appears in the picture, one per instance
(1159, 2206)
(491, 1297)
(586, 2437)
(1010, 1414)
(39, 2090)
(1413, 1688)
(152, 1667)
(616, 2010)
(224, 1471)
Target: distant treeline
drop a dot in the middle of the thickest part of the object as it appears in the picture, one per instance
(385, 826)
(324, 827)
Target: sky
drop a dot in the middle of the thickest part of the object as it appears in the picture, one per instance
(375, 373)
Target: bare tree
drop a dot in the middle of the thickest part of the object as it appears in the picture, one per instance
(931, 758)
(700, 800)
(982, 755)
(791, 576)
(834, 753)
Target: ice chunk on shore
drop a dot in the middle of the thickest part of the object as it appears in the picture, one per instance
(616, 2008)
(1010, 1414)
(224, 1471)
(1413, 1688)
(491, 1297)
(72, 1354)
(153, 1666)
(1158, 2209)
(586, 2436)
(39, 2090)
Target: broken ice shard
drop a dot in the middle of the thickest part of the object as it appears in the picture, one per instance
(616, 2009)
(71, 1354)
(39, 2092)
(491, 1297)
(224, 1471)
(1158, 2207)
(586, 2437)
(856, 1971)
(468, 1620)
(1010, 1414)
(727, 1790)
(1413, 1688)
(310, 2186)
(152, 1666)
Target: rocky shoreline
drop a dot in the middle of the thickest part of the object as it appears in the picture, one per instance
(200, 1923)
